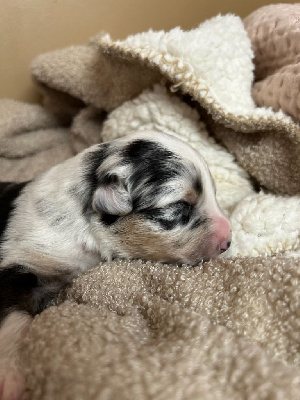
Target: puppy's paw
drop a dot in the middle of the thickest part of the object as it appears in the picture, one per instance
(12, 381)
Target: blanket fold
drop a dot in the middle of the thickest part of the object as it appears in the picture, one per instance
(228, 328)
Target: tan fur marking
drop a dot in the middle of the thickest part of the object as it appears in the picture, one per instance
(191, 197)
(159, 246)
(44, 264)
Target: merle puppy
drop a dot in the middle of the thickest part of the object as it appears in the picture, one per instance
(148, 195)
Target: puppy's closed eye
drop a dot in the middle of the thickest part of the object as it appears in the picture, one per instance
(172, 215)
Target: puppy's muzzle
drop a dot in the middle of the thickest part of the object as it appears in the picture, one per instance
(222, 234)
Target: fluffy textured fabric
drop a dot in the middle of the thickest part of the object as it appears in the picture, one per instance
(274, 33)
(227, 329)
(31, 141)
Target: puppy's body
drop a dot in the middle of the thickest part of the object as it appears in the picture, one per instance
(147, 195)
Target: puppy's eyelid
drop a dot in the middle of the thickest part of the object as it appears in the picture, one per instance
(185, 205)
(171, 205)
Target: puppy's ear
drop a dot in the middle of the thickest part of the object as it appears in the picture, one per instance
(112, 198)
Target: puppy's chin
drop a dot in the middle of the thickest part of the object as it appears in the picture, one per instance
(198, 257)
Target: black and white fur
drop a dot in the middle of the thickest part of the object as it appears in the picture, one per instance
(147, 195)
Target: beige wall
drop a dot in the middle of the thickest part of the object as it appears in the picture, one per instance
(30, 27)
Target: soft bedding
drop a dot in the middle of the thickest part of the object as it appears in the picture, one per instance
(225, 329)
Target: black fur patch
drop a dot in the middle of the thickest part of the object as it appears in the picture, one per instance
(109, 219)
(21, 289)
(9, 191)
(153, 166)
(197, 185)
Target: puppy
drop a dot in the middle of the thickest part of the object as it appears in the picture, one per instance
(147, 195)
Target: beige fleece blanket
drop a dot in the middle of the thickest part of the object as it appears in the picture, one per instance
(227, 329)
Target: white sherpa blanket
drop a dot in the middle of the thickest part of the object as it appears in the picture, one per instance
(215, 61)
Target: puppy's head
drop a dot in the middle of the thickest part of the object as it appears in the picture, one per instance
(151, 196)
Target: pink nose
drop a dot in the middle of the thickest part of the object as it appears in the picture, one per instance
(224, 246)
(222, 233)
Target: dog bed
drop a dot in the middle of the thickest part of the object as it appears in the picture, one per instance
(228, 328)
